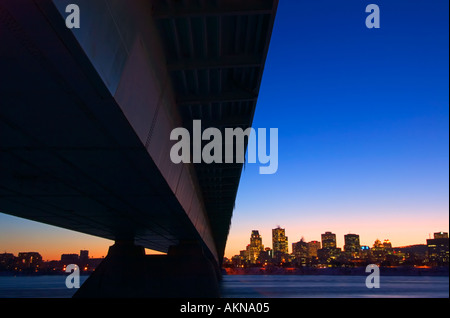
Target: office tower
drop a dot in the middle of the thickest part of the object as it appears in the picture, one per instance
(256, 240)
(300, 251)
(279, 241)
(329, 251)
(438, 253)
(84, 259)
(84, 254)
(313, 246)
(352, 247)
(255, 247)
(328, 240)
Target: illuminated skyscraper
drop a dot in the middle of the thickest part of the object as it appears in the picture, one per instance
(438, 253)
(255, 247)
(300, 251)
(279, 241)
(329, 251)
(328, 240)
(313, 246)
(352, 247)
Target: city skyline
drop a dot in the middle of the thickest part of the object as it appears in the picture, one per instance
(74, 242)
(329, 241)
(327, 234)
(326, 253)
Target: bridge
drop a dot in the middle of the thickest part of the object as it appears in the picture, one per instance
(85, 119)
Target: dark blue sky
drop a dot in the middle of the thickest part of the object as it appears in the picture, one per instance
(363, 119)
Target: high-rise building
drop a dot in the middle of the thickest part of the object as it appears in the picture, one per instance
(329, 251)
(255, 247)
(256, 240)
(300, 251)
(279, 241)
(328, 240)
(84, 254)
(438, 252)
(313, 246)
(83, 260)
(352, 246)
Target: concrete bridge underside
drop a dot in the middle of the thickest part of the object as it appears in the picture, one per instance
(86, 115)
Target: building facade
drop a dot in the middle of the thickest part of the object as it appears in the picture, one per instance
(300, 252)
(438, 253)
(255, 247)
(329, 250)
(279, 240)
(313, 246)
(352, 247)
(328, 240)
(279, 244)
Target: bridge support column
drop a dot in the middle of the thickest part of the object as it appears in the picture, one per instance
(127, 272)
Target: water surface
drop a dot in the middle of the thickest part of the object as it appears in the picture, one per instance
(260, 286)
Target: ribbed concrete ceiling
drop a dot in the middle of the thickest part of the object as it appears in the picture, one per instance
(216, 51)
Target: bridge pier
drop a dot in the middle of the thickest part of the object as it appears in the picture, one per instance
(127, 272)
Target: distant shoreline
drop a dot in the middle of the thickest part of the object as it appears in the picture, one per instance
(389, 271)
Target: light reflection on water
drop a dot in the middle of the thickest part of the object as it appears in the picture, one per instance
(331, 286)
(259, 286)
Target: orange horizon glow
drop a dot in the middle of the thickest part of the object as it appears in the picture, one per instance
(97, 247)
(52, 242)
(400, 227)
